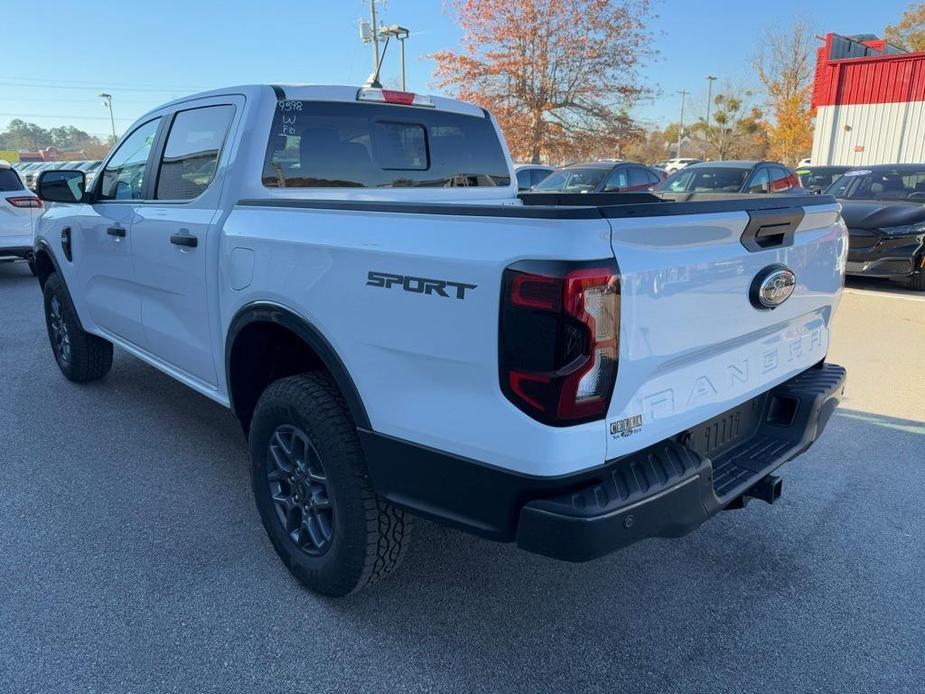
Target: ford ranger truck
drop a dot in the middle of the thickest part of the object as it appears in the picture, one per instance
(352, 273)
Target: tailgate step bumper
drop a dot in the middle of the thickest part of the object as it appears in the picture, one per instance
(669, 489)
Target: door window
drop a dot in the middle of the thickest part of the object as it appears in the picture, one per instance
(780, 179)
(618, 179)
(760, 181)
(540, 174)
(639, 177)
(123, 177)
(523, 179)
(191, 154)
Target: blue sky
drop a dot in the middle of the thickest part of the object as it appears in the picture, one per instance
(145, 53)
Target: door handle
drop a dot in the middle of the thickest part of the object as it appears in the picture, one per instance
(184, 238)
(116, 231)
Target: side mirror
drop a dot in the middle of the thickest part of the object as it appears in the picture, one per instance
(61, 185)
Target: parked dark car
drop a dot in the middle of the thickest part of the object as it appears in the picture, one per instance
(600, 177)
(817, 178)
(528, 175)
(884, 209)
(732, 177)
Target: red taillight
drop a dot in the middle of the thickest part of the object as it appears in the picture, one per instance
(25, 201)
(559, 340)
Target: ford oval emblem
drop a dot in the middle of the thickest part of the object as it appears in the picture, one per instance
(772, 287)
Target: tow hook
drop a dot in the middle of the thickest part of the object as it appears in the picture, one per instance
(767, 489)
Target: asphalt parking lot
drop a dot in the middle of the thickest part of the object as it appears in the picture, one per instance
(132, 558)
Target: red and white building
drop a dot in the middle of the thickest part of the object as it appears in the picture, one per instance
(869, 98)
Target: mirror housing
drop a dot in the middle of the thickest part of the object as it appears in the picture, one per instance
(61, 185)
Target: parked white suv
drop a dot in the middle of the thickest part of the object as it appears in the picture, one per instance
(673, 165)
(352, 272)
(18, 209)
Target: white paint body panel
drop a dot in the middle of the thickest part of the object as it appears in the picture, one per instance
(866, 134)
(425, 366)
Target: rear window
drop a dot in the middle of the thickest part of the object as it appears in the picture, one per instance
(9, 181)
(317, 144)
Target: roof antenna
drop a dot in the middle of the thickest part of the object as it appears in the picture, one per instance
(372, 82)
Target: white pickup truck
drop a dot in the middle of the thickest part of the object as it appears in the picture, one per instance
(352, 272)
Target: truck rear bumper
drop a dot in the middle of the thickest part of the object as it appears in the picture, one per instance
(669, 489)
(666, 490)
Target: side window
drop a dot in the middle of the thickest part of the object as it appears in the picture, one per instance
(123, 177)
(191, 154)
(523, 179)
(760, 181)
(9, 181)
(540, 174)
(639, 177)
(780, 179)
(618, 179)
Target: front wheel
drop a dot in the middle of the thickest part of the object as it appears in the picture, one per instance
(917, 281)
(313, 491)
(80, 355)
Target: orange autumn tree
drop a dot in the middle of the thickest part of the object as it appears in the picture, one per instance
(785, 66)
(559, 75)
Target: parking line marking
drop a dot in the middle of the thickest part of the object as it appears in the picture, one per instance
(885, 295)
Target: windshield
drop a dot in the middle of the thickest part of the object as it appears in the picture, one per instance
(865, 184)
(819, 179)
(706, 179)
(572, 181)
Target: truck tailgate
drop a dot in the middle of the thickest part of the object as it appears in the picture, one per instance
(693, 345)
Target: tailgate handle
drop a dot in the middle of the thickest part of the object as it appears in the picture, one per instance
(771, 228)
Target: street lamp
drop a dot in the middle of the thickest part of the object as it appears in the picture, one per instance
(112, 121)
(400, 33)
(683, 94)
(710, 80)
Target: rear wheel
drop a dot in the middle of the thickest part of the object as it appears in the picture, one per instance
(32, 267)
(313, 491)
(80, 355)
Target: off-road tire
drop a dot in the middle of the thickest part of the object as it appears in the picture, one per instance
(88, 357)
(370, 536)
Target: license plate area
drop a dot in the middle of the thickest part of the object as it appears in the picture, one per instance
(717, 435)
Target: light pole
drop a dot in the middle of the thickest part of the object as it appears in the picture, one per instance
(112, 121)
(710, 80)
(683, 94)
(400, 33)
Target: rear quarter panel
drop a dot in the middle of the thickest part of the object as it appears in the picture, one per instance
(425, 366)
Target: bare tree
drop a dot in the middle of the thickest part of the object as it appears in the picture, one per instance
(785, 65)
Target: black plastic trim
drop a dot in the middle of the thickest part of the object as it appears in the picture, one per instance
(429, 208)
(274, 313)
(16, 252)
(665, 490)
(773, 228)
(627, 205)
(279, 91)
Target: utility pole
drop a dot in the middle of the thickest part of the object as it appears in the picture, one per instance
(375, 34)
(683, 94)
(710, 80)
(112, 121)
